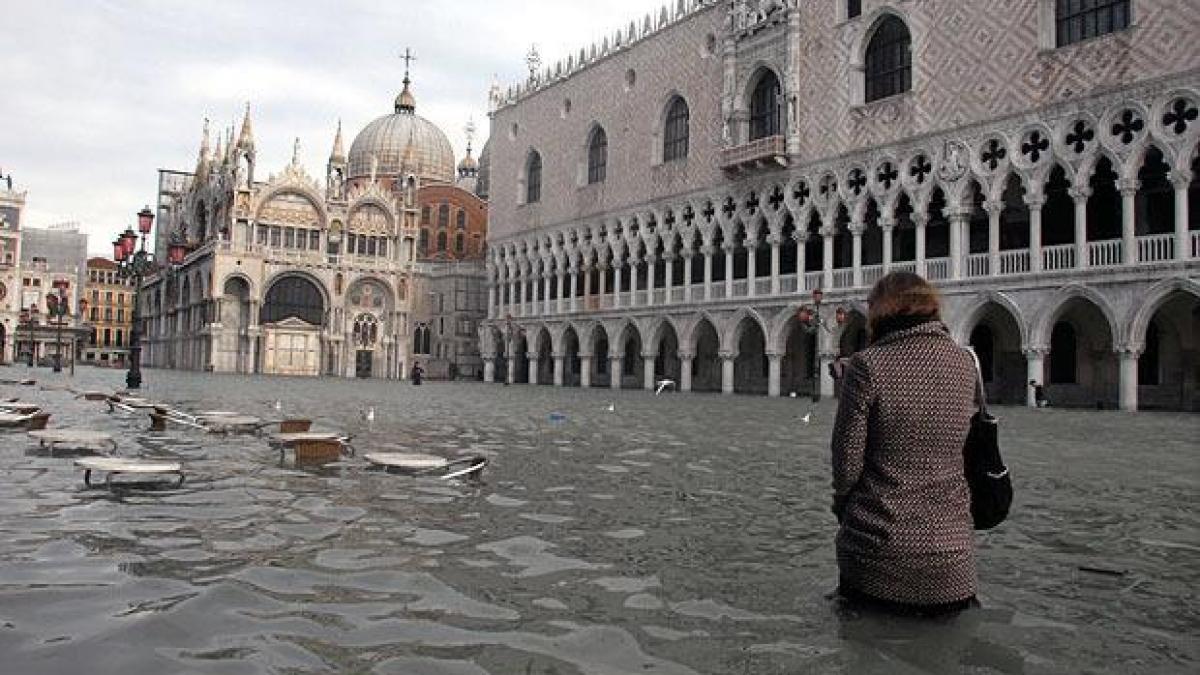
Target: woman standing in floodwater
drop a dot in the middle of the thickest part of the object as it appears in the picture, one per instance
(905, 541)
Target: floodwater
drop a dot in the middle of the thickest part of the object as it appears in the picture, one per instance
(673, 534)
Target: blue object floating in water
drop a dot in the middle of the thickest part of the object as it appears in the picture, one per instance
(557, 417)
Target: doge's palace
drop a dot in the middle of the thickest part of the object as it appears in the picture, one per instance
(664, 201)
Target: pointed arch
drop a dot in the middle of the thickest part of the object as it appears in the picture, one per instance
(1054, 306)
(1152, 301)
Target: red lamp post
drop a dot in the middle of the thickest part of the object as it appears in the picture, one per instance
(133, 261)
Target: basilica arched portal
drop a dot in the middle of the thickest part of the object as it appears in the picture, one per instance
(292, 318)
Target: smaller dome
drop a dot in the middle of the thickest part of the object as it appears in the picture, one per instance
(468, 163)
(405, 102)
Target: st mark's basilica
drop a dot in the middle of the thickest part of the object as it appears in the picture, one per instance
(364, 274)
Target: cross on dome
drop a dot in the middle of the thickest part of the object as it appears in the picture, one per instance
(405, 102)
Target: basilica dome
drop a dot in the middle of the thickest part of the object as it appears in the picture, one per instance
(402, 143)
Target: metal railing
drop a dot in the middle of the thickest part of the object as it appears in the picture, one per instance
(764, 149)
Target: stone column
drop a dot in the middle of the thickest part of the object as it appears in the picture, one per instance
(1035, 360)
(587, 285)
(774, 374)
(615, 365)
(512, 296)
(511, 375)
(751, 268)
(1181, 180)
(1035, 204)
(562, 288)
(827, 255)
(728, 360)
(1129, 252)
(685, 371)
(604, 267)
(525, 304)
(547, 279)
(729, 248)
(1129, 379)
(1080, 195)
(959, 244)
(801, 258)
(558, 369)
(888, 226)
(633, 280)
(491, 307)
(648, 371)
(774, 241)
(824, 359)
(533, 367)
(574, 289)
(856, 232)
(585, 371)
(650, 279)
(994, 209)
(687, 276)
(669, 277)
(489, 369)
(708, 251)
(617, 274)
(920, 220)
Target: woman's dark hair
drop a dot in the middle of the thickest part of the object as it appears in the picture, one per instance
(901, 298)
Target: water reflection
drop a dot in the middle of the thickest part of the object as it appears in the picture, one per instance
(672, 534)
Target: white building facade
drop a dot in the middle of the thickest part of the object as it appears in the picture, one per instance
(663, 202)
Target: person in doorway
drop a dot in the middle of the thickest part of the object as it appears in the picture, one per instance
(905, 542)
(1039, 394)
(417, 373)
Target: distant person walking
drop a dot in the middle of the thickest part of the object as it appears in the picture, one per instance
(417, 373)
(1039, 394)
(905, 542)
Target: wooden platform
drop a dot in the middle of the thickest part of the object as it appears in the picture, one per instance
(73, 439)
(115, 466)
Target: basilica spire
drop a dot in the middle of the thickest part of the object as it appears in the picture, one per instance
(338, 155)
(246, 137)
(405, 102)
(203, 161)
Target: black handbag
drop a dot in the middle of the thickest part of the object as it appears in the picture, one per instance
(987, 476)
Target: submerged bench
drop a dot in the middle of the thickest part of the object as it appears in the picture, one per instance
(421, 464)
(73, 439)
(116, 466)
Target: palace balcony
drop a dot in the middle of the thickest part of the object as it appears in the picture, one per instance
(764, 153)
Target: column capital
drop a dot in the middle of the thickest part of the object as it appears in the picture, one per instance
(1129, 351)
(1128, 187)
(727, 355)
(1035, 352)
(649, 356)
(1035, 201)
(993, 206)
(1080, 194)
(686, 355)
(1181, 179)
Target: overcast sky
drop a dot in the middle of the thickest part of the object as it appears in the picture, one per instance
(99, 94)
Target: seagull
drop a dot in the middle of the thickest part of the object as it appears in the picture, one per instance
(807, 417)
(612, 407)
(663, 384)
(793, 394)
(369, 415)
(278, 404)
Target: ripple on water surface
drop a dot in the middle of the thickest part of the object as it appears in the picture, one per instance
(671, 535)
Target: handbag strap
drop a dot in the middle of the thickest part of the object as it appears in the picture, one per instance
(980, 394)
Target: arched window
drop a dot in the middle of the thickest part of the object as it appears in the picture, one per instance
(294, 297)
(441, 242)
(1063, 354)
(533, 178)
(889, 60)
(425, 215)
(676, 132)
(459, 243)
(423, 242)
(460, 220)
(597, 156)
(765, 117)
(366, 330)
(444, 215)
(1079, 20)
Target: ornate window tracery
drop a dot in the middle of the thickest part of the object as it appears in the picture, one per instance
(533, 178)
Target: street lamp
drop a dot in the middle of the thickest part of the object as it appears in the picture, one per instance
(134, 262)
(811, 322)
(29, 319)
(57, 306)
